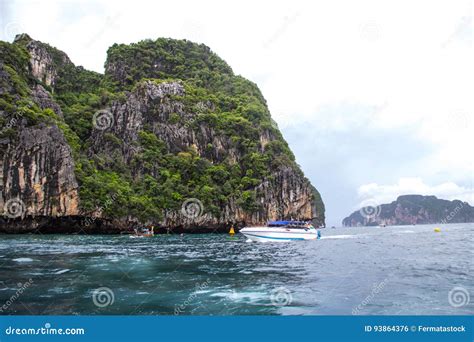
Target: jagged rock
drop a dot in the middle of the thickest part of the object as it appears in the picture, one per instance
(42, 98)
(44, 64)
(38, 168)
(6, 86)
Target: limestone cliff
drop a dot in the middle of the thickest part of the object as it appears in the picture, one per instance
(36, 164)
(167, 136)
(38, 169)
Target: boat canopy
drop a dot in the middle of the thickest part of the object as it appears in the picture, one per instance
(286, 223)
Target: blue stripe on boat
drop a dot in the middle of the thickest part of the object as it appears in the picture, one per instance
(274, 238)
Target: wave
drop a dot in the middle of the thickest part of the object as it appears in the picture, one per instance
(339, 237)
(23, 260)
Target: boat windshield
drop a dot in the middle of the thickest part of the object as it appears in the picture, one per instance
(290, 224)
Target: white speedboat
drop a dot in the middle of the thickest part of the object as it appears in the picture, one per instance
(282, 231)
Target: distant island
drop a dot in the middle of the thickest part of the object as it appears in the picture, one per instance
(412, 209)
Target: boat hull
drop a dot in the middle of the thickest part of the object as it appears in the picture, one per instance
(274, 234)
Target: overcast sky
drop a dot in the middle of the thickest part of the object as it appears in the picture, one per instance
(374, 97)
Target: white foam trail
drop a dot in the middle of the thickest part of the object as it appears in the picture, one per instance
(62, 271)
(243, 296)
(23, 260)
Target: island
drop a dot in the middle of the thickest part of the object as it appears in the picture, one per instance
(410, 210)
(168, 136)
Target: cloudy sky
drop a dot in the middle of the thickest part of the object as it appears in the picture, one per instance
(374, 97)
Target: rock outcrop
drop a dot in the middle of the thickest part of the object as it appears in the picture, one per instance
(39, 170)
(412, 209)
(189, 147)
(44, 61)
(42, 98)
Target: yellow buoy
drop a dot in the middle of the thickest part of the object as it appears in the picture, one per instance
(231, 231)
(437, 230)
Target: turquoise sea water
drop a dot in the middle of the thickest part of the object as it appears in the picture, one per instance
(392, 270)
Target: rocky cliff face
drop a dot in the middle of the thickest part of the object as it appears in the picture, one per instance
(412, 209)
(44, 65)
(168, 136)
(38, 169)
(36, 164)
